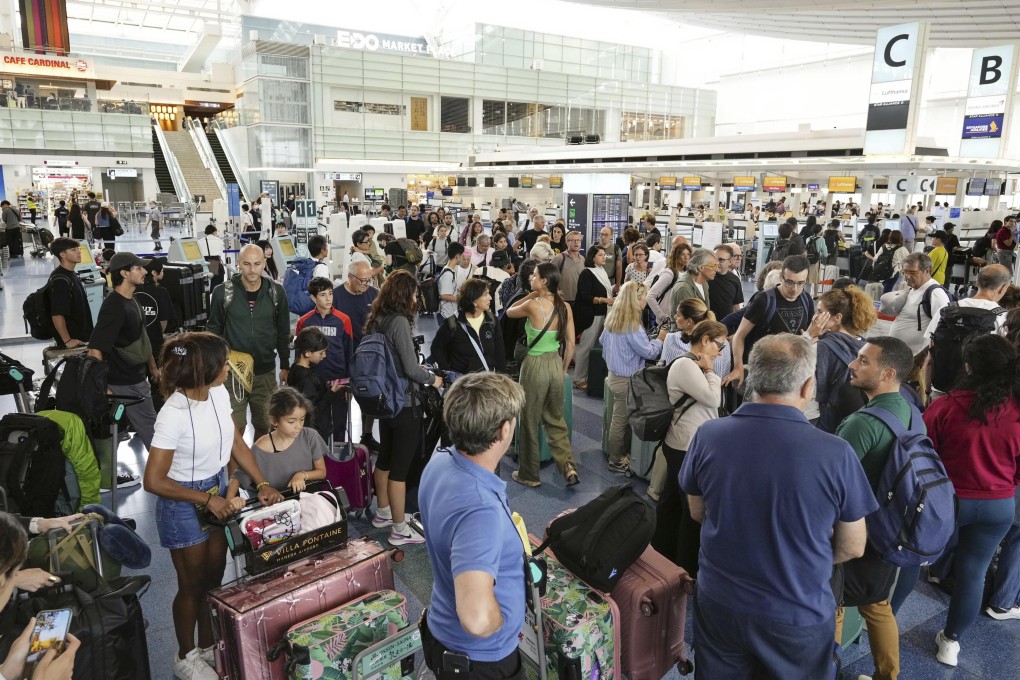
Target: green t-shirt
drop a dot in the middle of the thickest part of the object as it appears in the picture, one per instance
(870, 438)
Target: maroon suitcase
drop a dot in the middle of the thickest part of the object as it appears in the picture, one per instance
(652, 598)
(250, 616)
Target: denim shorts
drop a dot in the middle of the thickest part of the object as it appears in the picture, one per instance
(177, 521)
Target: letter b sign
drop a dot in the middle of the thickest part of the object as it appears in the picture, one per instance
(991, 69)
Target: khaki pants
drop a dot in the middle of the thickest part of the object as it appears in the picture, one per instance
(263, 386)
(883, 635)
(618, 428)
(542, 380)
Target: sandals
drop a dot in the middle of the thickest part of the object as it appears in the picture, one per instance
(580, 385)
(570, 474)
(525, 482)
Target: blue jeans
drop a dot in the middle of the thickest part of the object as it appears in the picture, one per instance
(1006, 592)
(888, 284)
(981, 526)
(735, 645)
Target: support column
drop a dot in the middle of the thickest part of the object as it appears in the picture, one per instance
(867, 187)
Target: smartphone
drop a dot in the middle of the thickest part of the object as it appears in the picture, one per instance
(50, 632)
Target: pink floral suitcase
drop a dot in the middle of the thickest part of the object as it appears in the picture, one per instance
(252, 615)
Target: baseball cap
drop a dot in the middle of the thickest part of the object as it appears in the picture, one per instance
(126, 261)
(500, 259)
(940, 235)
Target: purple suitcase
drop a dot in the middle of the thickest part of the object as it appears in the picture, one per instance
(652, 597)
(349, 467)
(250, 616)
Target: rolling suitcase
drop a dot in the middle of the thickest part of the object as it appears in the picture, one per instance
(642, 458)
(580, 625)
(252, 614)
(335, 638)
(349, 467)
(874, 291)
(826, 277)
(198, 291)
(179, 280)
(597, 372)
(608, 400)
(652, 599)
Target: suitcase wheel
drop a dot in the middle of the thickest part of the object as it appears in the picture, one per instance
(684, 667)
(398, 555)
(648, 608)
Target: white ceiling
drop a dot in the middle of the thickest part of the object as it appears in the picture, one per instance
(953, 23)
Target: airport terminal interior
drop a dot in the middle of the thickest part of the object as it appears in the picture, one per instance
(695, 117)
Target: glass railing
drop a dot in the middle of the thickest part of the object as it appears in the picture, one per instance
(122, 106)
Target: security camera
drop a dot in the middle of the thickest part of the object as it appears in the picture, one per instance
(913, 172)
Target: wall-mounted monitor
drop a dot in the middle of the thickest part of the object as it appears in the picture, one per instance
(472, 181)
(891, 224)
(514, 182)
(375, 194)
(770, 229)
(490, 181)
(462, 181)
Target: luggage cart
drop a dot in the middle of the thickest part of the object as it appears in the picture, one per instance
(41, 240)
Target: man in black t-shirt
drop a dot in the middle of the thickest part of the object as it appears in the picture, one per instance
(792, 310)
(66, 298)
(530, 236)
(61, 212)
(120, 339)
(415, 228)
(725, 290)
(92, 209)
(158, 309)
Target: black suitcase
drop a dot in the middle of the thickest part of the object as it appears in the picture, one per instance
(179, 281)
(199, 292)
(597, 372)
(110, 627)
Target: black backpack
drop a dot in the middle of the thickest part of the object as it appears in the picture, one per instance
(955, 326)
(602, 538)
(812, 249)
(883, 267)
(37, 314)
(780, 250)
(832, 238)
(81, 390)
(482, 274)
(32, 463)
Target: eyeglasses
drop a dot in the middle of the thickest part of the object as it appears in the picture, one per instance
(794, 284)
(725, 259)
(910, 272)
(714, 265)
(720, 344)
(364, 282)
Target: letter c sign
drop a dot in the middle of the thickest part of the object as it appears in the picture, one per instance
(901, 185)
(889, 48)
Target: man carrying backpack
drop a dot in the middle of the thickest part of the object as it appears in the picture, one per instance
(922, 300)
(956, 322)
(65, 297)
(879, 368)
(250, 312)
(787, 308)
(300, 273)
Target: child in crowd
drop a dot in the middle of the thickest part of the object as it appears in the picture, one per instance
(291, 455)
(311, 348)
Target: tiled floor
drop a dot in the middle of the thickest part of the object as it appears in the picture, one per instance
(990, 650)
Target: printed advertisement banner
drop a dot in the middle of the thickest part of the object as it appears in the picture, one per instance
(842, 185)
(744, 183)
(983, 127)
(947, 186)
(667, 183)
(692, 184)
(774, 183)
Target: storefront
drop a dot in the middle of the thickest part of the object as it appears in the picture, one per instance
(34, 81)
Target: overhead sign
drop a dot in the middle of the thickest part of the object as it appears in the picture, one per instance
(451, 181)
(32, 64)
(993, 187)
(343, 176)
(555, 182)
(744, 183)
(577, 212)
(842, 185)
(667, 183)
(925, 184)
(976, 187)
(692, 184)
(122, 173)
(527, 182)
(382, 42)
(947, 186)
(896, 76)
(989, 97)
(814, 187)
(774, 183)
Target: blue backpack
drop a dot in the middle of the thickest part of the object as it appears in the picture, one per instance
(378, 387)
(917, 504)
(295, 284)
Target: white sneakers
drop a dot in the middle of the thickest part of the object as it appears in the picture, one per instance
(412, 537)
(1003, 614)
(949, 650)
(194, 666)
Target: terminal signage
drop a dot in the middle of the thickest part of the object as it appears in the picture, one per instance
(692, 184)
(989, 97)
(744, 183)
(993, 187)
(774, 183)
(976, 187)
(813, 187)
(925, 184)
(381, 42)
(555, 182)
(32, 64)
(842, 185)
(947, 186)
(343, 176)
(577, 212)
(897, 70)
(667, 183)
(527, 182)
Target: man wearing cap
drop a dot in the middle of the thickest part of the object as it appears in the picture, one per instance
(952, 242)
(120, 340)
(66, 298)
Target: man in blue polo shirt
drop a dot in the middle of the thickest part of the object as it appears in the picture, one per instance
(470, 629)
(775, 517)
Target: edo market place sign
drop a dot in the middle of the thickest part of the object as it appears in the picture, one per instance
(31, 64)
(379, 42)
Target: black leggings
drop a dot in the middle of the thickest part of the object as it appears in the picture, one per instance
(677, 536)
(399, 438)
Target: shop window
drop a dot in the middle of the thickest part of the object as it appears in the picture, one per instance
(455, 114)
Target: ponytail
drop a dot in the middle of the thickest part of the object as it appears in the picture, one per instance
(854, 306)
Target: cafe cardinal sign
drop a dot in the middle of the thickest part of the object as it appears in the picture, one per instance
(31, 64)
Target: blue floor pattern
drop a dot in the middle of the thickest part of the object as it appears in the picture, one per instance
(991, 649)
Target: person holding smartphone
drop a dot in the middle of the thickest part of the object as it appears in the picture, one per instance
(53, 664)
(189, 476)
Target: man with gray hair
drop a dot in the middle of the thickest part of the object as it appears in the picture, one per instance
(701, 268)
(471, 626)
(775, 517)
(529, 236)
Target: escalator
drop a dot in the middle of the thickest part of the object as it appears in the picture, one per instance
(221, 157)
(163, 178)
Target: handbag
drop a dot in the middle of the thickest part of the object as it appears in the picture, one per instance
(78, 552)
(241, 367)
(267, 526)
(139, 351)
(522, 347)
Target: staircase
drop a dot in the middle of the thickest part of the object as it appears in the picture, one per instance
(198, 177)
(163, 179)
(221, 157)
